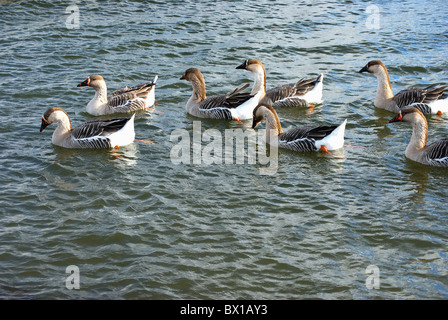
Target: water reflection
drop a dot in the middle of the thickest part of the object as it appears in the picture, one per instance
(418, 174)
(124, 156)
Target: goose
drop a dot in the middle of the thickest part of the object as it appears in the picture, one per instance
(435, 154)
(96, 134)
(302, 139)
(125, 100)
(429, 100)
(234, 105)
(299, 94)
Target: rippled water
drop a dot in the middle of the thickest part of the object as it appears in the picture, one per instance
(140, 227)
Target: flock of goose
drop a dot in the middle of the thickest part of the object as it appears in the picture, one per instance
(411, 105)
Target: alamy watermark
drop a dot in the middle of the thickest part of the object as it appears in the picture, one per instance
(73, 280)
(373, 280)
(72, 21)
(373, 19)
(236, 146)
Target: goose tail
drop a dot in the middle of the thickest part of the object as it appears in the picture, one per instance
(155, 79)
(315, 94)
(124, 136)
(335, 140)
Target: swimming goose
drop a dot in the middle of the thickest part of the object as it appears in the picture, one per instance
(234, 105)
(435, 154)
(299, 94)
(96, 134)
(302, 139)
(125, 100)
(429, 100)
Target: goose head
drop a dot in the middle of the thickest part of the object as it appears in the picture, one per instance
(192, 74)
(51, 116)
(410, 114)
(258, 115)
(95, 81)
(261, 112)
(373, 67)
(252, 65)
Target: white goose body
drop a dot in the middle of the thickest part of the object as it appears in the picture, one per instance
(429, 100)
(299, 94)
(301, 139)
(234, 105)
(434, 154)
(96, 134)
(125, 100)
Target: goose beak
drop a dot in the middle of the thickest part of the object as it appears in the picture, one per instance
(84, 83)
(242, 66)
(363, 70)
(254, 123)
(182, 78)
(398, 118)
(43, 125)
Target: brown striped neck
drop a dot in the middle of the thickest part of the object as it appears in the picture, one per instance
(384, 89)
(198, 85)
(267, 113)
(195, 77)
(384, 94)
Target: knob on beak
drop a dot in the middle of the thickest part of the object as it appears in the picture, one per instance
(84, 83)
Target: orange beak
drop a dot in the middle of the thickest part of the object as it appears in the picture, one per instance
(397, 118)
(85, 83)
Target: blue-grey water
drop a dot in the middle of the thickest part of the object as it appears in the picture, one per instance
(138, 226)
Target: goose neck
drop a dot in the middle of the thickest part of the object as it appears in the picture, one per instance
(101, 93)
(384, 92)
(272, 123)
(419, 137)
(198, 89)
(259, 80)
(62, 130)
